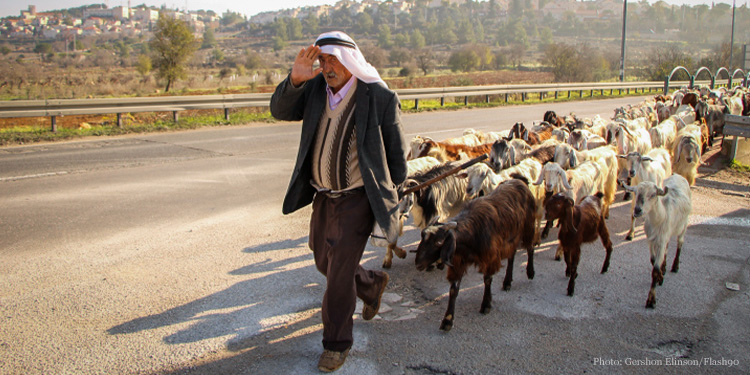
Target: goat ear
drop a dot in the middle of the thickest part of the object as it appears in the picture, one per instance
(661, 192)
(646, 158)
(448, 248)
(573, 159)
(622, 156)
(451, 225)
(512, 156)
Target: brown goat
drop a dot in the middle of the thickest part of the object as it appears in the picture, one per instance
(445, 152)
(531, 137)
(579, 224)
(487, 230)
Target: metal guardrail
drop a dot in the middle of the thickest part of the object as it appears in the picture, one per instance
(64, 107)
(737, 126)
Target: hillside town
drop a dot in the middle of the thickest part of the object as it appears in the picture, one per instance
(129, 22)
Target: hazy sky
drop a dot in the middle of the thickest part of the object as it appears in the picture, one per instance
(246, 7)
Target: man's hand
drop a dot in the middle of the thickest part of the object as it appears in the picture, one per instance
(302, 70)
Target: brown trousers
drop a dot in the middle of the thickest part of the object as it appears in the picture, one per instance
(339, 230)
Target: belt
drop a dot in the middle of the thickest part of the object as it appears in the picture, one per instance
(343, 193)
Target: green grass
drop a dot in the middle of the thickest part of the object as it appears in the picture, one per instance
(25, 135)
(738, 166)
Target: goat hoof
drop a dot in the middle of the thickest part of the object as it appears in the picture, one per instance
(485, 310)
(570, 292)
(506, 286)
(386, 264)
(626, 196)
(446, 325)
(675, 269)
(399, 252)
(558, 258)
(629, 237)
(530, 274)
(650, 302)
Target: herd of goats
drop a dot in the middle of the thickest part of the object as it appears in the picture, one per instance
(563, 169)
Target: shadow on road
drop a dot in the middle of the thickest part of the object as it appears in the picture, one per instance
(244, 308)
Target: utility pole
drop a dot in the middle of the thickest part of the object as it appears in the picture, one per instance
(622, 48)
(731, 41)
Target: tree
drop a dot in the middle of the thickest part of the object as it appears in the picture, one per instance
(400, 56)
(173, 44)
(311, 24)
(425, 60)
(143, 67)
(384, 37)
(464, 60)
(417, 40)
(209, 40)
(294, 29)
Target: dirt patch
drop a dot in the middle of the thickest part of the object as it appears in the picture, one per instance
(716, 177)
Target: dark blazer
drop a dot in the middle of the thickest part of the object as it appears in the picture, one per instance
(381, 147)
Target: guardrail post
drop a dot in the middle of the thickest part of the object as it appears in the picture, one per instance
(176, 116)
(487, 99)
(568, 94)
(119, 120)
(226, 114)
(416, 103)
(555, 95)
(592, 93)
(523, 96)
(53, 120)
(541, 96)
(442, 101)
(466, 100)
(506, 97)
(580, 94)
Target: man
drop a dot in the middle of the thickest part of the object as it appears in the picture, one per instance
(351, 157)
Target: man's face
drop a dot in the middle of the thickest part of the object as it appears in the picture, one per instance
(335, 74)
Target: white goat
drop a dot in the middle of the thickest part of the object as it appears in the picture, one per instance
(686, 153)
(655, 167)
(662, 135)
(667, 211)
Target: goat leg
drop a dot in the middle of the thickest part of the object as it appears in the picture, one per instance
(547, 227)
(676, 262)
(387, 260)
(575, 257)
(399, 251)
(509, 273)
(604, 235)
(530, 263)
(655, 277)
(487, 299)
(447, 323)
(629, 237)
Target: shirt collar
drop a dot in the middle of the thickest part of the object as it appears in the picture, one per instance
(335, 99)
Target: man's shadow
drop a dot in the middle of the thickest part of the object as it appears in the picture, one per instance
(241, 309)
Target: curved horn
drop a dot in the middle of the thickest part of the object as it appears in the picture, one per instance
(540, 179)
(566, 183)
(661, 192)
(625, 127)
(646, 158)
(512, 155)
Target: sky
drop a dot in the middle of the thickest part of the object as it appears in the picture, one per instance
(246, 7)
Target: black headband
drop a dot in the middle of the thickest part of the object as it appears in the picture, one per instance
(334, 41)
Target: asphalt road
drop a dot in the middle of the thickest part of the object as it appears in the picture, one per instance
(167, 253)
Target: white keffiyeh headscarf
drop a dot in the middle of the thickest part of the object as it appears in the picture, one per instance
(343, 47)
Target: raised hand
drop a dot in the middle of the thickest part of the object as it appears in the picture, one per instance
(302, 70)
